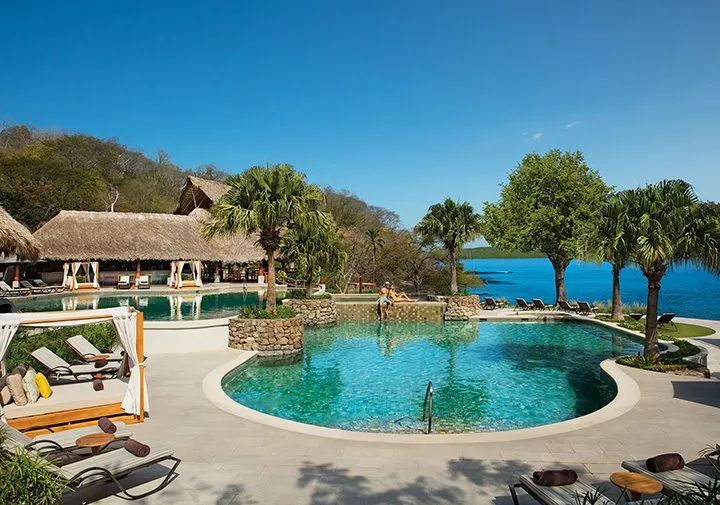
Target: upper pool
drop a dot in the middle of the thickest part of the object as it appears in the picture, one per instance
(486, 376)
(171, 307)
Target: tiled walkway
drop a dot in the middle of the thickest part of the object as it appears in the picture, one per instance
(228, 460)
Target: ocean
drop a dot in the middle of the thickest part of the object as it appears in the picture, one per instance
(689, 291)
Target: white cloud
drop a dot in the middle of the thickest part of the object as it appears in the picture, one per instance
(537, 135)
(571, 124)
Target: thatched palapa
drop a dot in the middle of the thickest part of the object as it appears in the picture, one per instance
(199, 193)
(85, 236)
(16, 239)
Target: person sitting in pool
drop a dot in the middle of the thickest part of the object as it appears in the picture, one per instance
(384, 301)
(398, 297)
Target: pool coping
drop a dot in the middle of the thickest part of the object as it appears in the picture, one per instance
(628, 395)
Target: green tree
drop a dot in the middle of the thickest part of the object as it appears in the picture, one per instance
(453, 225)
(268, 201)
(609, 238)
(544, 207)
(670, 227)
(316, 250)
(375, 242)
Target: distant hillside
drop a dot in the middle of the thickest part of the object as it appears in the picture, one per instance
(494, 253)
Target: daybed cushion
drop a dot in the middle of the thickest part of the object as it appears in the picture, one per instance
(5, 396)
(43, 385)
(15, 385)
(31, 389)
(69, 397)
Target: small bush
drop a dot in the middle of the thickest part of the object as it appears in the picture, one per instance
(632, 324)
(633, 308)
(299, 294)
(282, 312)
(26, 340)
(645, 364)
(685, 349)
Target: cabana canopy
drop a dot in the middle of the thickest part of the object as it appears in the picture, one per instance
(16, 239)
(128, 325)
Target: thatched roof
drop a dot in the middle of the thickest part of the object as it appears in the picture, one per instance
(16, 239)
(199, 193)
(84, 236)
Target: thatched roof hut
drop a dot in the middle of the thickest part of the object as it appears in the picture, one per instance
(85, 236)
(199, 193)
(16, 239)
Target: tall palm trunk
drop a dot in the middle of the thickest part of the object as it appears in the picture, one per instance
(452, 263)
(559, 265)
(270, 305)
(617, 305)
(308, 282)
(651, 350)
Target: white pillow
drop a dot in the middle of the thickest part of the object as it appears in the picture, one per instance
(30, 386)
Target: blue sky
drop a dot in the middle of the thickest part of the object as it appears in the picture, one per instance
(402, 103)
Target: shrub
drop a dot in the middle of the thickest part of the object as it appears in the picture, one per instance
(26, 340)
(633, 308)
(645, 364)
(282, 312)
(299, 294)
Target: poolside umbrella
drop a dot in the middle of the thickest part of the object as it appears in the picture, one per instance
(15, 239)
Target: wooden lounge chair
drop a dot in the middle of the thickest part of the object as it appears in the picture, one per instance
(571, 494)
(123, 282)
(520, 303)
(492, 304)
(585, 308)
(143, 282)
(566, 307)
(57, 366)
(6, 290)
(88, 352)
(538, 304)
(666, 318)
(673, 481)
(53, 289)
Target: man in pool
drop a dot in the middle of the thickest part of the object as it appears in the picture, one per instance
(384, 301)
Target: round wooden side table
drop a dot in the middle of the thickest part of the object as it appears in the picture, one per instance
(636, 484)
(95, 441)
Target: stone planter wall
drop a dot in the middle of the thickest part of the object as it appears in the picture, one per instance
(367, 311)
(461, 308)
(314, 312)
(270, 337)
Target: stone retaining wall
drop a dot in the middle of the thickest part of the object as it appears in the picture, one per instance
(270, 337)
(403, 311)
(313, 311)
(461, 308)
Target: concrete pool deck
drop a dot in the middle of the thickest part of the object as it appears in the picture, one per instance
(231, 460)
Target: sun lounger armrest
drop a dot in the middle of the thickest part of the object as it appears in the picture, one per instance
(60, 369)
(44, 446)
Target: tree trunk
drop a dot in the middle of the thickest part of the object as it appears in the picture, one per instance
(559, 265)
(652, 352)
(271, 302)
(308, 282)
(617, 305)
(452, 263)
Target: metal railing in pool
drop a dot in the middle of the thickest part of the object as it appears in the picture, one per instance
(428, 406)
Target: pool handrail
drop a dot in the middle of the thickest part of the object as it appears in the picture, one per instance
(428, 396)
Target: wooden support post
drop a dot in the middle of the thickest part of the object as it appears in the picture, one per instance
(140, 335)
(16, 277)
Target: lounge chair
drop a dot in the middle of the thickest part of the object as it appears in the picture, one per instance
(57, 366)
(58, 441)
(538, 304)
(520, 303)
(123, 282)
(492, 304)
(143, 282)
(87, 351)
(566, 307)
(570, 494)
(6, 290)
(674, 481)
(53, 289)
(585, 308)
(666, 318)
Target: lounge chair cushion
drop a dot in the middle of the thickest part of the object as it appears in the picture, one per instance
(43, 385)
(71, 396)
(15, 385)
(30, 386)
(563, 495)
(119, 462)
(672, 480)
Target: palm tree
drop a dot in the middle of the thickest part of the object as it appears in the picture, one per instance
(453, 225)
(670, 227)
(609, 239)
(268, 201)
(375, 241)
(314, 249)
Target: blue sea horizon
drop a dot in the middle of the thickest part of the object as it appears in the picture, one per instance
(689, 291)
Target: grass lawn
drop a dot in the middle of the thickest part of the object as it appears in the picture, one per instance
(668, 332)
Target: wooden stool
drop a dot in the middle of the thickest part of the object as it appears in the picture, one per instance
(636, 484)
(95, 441)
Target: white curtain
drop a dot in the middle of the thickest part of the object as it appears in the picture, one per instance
(181, 265)
(198, 273)
(125, 325)
(67, 282)
(8, 327)
(171, 278)
(75, 268)
(95, 266)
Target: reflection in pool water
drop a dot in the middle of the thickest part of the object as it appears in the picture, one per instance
(172, 307)
(487, 376)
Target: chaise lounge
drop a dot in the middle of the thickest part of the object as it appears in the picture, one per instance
(666, 318)
(88, 352)
(566, 307)
(520, 303)
(674, 481)
(569, 494)
(538, 304)
(6, 290)
(143, 282)
(52, 289)
(492, 304)
(585, 308)
(123, 282)
(58, 367)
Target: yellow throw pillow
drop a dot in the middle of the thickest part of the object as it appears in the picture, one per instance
(43, 385)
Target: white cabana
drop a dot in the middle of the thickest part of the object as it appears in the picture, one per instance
(91, 270)
(128, 324)
(176, 270)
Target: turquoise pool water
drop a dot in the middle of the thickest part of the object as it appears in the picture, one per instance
(172, 307)
(486, 376)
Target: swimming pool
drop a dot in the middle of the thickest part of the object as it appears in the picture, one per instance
(155, 307)
(488, 376)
